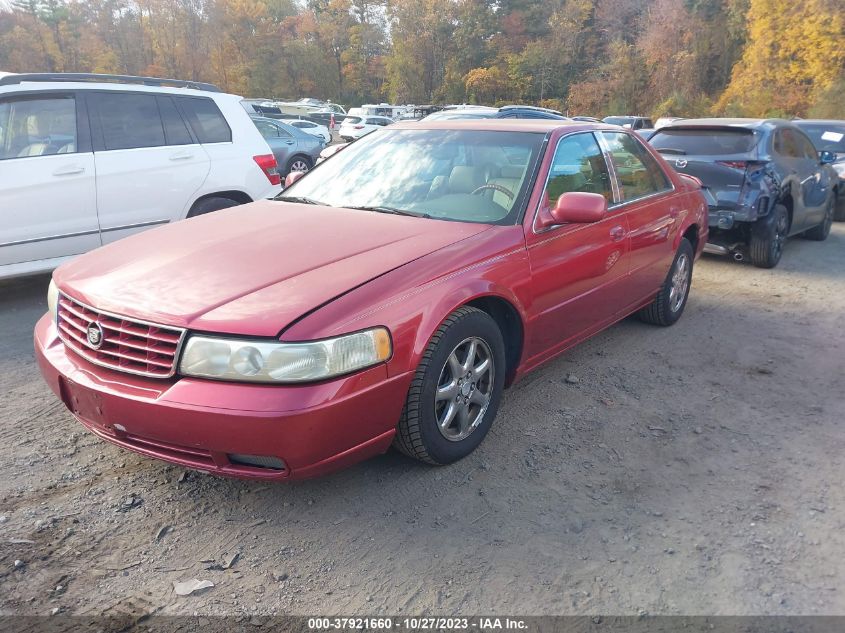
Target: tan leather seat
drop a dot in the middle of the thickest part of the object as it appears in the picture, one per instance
(464, 179)
(34, 130)
(511, 179)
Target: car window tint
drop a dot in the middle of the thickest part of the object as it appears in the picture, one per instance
(637, 173)
(578, 165)
(130, 120)
(786, 144)
(37, 127)
(206, 120)
(352, 119)
(806, 146)
(175, 130)
(267, 129)
(703, 141)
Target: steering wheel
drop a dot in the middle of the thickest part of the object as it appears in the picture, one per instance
(495, 187)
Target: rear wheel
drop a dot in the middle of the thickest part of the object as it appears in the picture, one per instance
(298, 163)
(669, 304)
(768, 237)
(820, 232)
(455, 393)
(207, 205)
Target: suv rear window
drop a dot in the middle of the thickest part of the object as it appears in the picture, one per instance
(352, 119)
(206, 120)
(703, 142)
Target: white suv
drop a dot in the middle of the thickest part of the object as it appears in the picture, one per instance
(89, 159)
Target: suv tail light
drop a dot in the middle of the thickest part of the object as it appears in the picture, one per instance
(359, 127)
(267, 163)
(733, 164)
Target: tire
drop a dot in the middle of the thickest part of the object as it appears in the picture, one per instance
(669, 304)
(820, 232)
(839, 215)
(768, 237)
(298, 163)
(207, 205)
(418, 434)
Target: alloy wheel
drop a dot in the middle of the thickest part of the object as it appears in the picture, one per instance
(781, 230)
(299, 165)
(680, 282)
(464, 389)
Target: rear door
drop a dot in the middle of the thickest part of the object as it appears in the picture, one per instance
(47, 180)
(647, 197)
(149, 163)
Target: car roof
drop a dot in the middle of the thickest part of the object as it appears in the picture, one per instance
(27, 85)
(836, 122)
(747, 124)
(502, 125)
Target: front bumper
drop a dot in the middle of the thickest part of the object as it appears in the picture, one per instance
(200, 424)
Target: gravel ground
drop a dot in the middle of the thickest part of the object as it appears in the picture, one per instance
(690, 470)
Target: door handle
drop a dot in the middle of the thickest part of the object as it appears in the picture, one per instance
(617, 233)
(181, 156)
(69, 171)
(288, 142)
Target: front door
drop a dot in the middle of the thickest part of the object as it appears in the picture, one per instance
(576, 269)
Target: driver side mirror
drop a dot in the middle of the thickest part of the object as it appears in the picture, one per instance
(292, 177)
(575, 207)
(827, 157)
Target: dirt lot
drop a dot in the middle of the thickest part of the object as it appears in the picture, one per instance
(694, 470)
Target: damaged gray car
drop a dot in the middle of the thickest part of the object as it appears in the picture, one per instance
(763, 178)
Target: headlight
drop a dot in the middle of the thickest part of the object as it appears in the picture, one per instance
(52, 299)
(272, 362)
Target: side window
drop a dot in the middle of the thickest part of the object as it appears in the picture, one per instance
(175, 131)
(637, 172)
(807, 148)
(129, 120)
(207, 121)
(578, 165)
(786, 144)
(37, 127)
(280, 131)
(268, 130)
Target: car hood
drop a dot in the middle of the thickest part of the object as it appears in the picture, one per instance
(253, 269)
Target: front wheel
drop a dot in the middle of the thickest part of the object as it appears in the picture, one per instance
(669, 304)
(455, 393)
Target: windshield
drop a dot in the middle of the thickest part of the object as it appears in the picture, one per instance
(461, 175)
(703, 142)
(826, 138)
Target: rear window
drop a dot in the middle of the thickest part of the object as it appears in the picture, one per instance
(352, 119)
(703, 142)
(206, 120)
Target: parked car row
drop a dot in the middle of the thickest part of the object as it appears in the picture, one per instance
(388, 297)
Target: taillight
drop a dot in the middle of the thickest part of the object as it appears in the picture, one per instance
(268, 164)
(733, 164)
(359, 127)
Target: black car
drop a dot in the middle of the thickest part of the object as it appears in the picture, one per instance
(764, 179)
(829, 136)
(632, 122)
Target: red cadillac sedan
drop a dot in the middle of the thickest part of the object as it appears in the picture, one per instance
(386, 298)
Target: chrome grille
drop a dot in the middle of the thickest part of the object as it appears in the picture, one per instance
(127, 345)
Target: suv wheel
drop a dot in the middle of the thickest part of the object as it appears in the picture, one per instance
(820, 232)
(298, 163)
(768, 237)
(207, 205)
(455, 393)
(669, 304)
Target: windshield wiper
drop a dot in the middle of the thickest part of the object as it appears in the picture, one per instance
(392, 210)
(298, 199)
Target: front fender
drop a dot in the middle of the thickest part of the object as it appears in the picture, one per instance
(413, 300)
